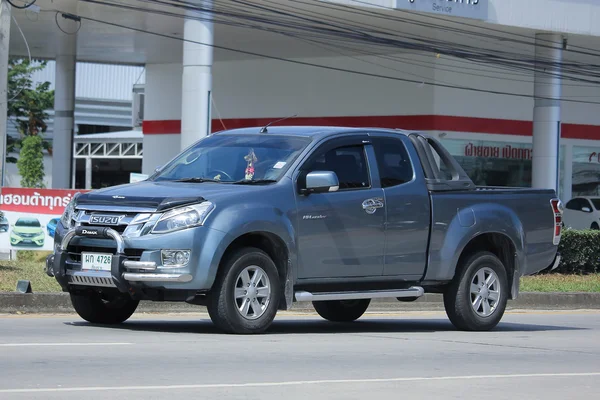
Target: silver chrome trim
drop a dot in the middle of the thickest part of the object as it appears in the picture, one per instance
(91, 278)
(556, 262)
(142, 277)
(115, 209)
(111, 232)
(414, 291)
(145, 265)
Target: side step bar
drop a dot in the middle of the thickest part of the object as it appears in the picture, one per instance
(414, 291)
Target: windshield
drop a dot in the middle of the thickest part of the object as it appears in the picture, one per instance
(31, 223)
(234, 158)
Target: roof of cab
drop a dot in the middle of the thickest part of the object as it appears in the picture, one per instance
(308, 131)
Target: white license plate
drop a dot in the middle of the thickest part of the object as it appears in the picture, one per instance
(96, 261)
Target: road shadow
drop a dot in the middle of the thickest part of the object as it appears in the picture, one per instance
(7, 268)
(286, 326)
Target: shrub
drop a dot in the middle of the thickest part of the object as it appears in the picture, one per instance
(580, 252)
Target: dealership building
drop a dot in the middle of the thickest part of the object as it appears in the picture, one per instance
(508, 86)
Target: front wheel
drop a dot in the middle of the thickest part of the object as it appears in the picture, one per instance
(246, 294)
(104, 308)
(476, 299)
(341, 310)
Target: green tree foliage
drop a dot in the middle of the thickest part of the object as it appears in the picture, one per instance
(28, 104)
(31, 162)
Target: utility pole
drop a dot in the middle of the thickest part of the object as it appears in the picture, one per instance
(4, 44)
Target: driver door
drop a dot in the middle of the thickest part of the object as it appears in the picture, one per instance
(338, 234)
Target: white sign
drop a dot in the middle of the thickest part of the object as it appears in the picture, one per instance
(135, 177)
(29, 217)
(476, 9)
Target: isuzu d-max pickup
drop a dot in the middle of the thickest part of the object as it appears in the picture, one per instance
(248, 221)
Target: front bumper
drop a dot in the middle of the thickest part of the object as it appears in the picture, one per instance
(17, 240)
(125, 274)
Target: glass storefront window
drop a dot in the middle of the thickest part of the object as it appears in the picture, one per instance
(586, 171)
(493, 163)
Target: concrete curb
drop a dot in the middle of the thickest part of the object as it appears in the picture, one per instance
(52, 303)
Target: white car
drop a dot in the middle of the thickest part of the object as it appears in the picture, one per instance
(582, 212)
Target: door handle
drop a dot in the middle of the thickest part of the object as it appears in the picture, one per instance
(371, 205)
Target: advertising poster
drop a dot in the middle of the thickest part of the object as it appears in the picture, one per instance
(28, 217)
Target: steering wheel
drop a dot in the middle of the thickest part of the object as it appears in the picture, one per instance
(216, 172)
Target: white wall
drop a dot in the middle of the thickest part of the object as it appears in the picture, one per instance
(255, 89)
(568, 16)
(98, 81)
(266, 88)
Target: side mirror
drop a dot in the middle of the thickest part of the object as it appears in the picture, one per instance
(586, 209)
(322, 182)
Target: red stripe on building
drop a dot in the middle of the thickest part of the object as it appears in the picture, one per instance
(409, 122)
(163, 127)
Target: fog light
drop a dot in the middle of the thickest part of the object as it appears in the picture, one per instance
(175, 258)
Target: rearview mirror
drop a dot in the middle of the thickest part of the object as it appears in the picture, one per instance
(586, 209)
(322, 182)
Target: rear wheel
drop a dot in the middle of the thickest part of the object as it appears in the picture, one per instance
(595, 226)
(246, 294)
(341, 310)
(104, 308)
(476, 299)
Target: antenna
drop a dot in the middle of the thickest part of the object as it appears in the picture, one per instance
(264, 128)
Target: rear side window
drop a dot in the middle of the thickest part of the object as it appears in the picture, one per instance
(393, 162)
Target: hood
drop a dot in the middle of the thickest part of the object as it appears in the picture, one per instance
(161, 196)
(28, 229)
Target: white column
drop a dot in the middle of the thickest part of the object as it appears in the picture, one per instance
(88, 173)
(197, 78)
(546, 112)
(4, 45)
(64, 105)
(568, 174)
(162, 115)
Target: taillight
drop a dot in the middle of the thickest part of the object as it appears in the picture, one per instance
(557, 209)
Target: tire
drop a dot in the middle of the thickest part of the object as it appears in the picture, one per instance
(341, 310)
(93, 308)
(595, 226)
(459, 301)
(227, 306)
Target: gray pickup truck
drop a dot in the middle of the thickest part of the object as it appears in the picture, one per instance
(248, 221)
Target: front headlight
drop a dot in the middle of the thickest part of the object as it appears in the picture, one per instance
(182, 218)
(67, 217)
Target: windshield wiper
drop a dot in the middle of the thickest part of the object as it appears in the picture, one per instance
(197, 180)
(254, 181)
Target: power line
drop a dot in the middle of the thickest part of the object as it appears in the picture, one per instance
(486, 58)
(220, 11)
(325, 67)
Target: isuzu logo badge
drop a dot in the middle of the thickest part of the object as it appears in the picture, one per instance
(106, 219)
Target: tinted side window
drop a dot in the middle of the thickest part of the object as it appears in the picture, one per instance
(393, 162)
(349, 163)
(577, 204)
(573, 205)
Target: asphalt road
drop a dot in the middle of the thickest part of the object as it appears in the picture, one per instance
(537, 355)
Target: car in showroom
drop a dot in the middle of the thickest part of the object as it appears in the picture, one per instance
(582, 212)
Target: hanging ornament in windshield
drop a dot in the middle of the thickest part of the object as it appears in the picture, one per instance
(251, 159)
